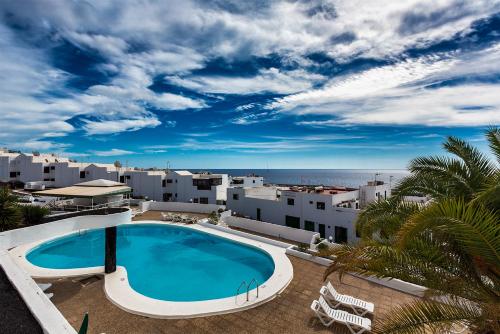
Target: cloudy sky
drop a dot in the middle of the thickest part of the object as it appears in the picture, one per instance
(247, 84)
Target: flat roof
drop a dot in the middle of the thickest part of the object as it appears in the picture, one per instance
(84, 191)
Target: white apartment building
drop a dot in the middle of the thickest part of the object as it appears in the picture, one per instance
(331, 211)
(55, 172)
(178, 186)
(248, 181)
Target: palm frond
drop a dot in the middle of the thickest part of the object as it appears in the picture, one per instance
(423, 316)
(493, 137)
(473, 226)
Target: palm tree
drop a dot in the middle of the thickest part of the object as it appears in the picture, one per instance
(9, 212)
(451, 246)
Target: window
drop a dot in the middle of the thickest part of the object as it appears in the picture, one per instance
(46, 169)
(52, 179)
(175, 181)
(340, 235)
(203, 200)
(167, 197)
(292, 221)
(175, 195)
(320, 205)
(253, 181)
(290, 201)
(310, 202)
(195, 200)
(122, 179)
(236, 197)
(202, 184)
(216, 182)
(82, 174)
(14, 174)
(309, 225)
(127, 177)
(169, 180)
(258, 214)
(46, 179)
(238, 181)
(52, 167)
(163, 183)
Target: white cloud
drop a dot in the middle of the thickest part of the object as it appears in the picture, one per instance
(115, 126)
(268, 80)
(396, 94)
(111, 153)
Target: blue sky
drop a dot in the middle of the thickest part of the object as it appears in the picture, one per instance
(254, 84)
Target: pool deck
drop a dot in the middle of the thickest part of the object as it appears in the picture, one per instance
(288, 313)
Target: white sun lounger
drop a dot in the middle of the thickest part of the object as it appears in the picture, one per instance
(328, 316)
(44, 286)
(335, 299)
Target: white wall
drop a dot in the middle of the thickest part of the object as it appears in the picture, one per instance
(180, 207)
(288, 233)
(144, 184)
(13, 238)
(43, 310)
(275, 211)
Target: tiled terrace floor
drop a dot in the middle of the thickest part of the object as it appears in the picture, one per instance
(287, 313)
(156, 215)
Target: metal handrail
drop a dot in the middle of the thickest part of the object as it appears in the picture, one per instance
(250, 284)
(243, 284)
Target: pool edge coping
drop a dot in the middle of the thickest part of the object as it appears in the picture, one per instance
(120, 293)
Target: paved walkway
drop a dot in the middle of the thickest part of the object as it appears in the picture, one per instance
(288, 313)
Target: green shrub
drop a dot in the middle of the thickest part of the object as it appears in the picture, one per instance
(9, 211)
(213, 218)
(303, 247)
(33, 214)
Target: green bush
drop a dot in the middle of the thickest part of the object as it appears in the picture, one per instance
(9, 210)
(33, 214)
(303, 247)
(213, 218)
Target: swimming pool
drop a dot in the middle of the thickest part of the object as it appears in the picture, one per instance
(165, 262)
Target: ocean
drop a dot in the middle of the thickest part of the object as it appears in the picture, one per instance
(327, 177)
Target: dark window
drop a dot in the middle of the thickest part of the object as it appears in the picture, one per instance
(385, 194)
(320, 205)
(203, 200)
(82, 174)
(127, 177)
(292, 221)
(357, 205)
(236, 197)
(163, 183)
(321, 230)
(52, 179)
(253, 181)
(290, 201)
(46, 179)
(169, 180)
(195, 200)
(216, 182)
(46, 169)
(357, 233)
(258, 213)
(340, 235)
(310, 202)
(175, 195)
(309, 225)
(202, 184)
(122, 179)
(167, 197)
(238, 181)
(52, 167)
(14, 174)
(175, 181)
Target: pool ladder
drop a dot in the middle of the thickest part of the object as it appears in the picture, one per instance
(247, 287)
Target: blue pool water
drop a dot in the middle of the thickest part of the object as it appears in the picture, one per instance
(164, 262)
